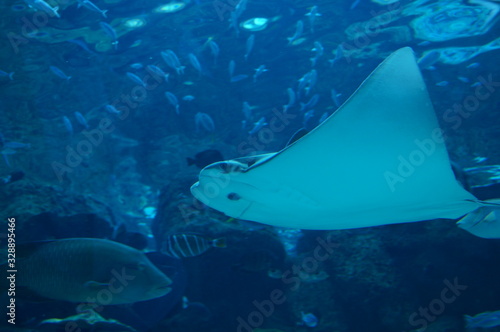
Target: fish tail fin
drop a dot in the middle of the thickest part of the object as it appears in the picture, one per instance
(6, 159)
(104, 13)
(11, 76)
(468, 321)
(56, 11)
(190, 161)
(219, 243)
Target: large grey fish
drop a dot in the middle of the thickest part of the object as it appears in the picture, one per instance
(89, 270)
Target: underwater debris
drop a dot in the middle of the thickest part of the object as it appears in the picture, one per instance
(171, 7)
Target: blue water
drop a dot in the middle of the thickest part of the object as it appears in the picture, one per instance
(103, 151)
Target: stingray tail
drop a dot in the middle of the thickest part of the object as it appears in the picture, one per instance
(493, 202)
(484, 221)
(478, 215)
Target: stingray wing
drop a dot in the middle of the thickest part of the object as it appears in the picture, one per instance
(379, 159)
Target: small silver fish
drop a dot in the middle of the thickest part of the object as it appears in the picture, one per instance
(111, 109)
(233, 22)
(239, 77)
(91, 6)
(43, 6)
(313, 13)
(442, 83)
(308, 319)
(298, 32)
(81, 120)
(194, 62)
(354, 4)
(16, 145)
(240, 8)
(68, 125)
(302, 83)
(158, 72)
(172, 99)
(203, 121)
(137, 65)
(318, 48)
(261, 69)
(339, 54)
(310, 104)
(172, 61)
(110, 31)
(59, 73)
(250, 42)
(5, 74)
(428, 59)
(335, 97)
(258, 126)
(136, 79)
(312, 78)
(188, 98)
(291, 100)
(231, 67)
(214, 49)
(247, 111)
(307, 116)
(323, 117)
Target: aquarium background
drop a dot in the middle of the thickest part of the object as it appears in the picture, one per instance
(95, 142)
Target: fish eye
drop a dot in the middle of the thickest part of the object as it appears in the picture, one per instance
(233, 196)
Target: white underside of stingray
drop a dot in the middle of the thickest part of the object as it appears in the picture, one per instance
(377, 160)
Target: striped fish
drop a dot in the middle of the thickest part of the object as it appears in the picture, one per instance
(189, 245)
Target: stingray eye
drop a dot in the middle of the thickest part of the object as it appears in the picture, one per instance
(233, 196)
(225, 168)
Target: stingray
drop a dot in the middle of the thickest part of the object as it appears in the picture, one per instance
(379, 159)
